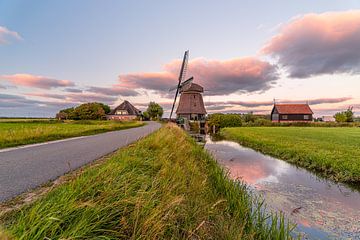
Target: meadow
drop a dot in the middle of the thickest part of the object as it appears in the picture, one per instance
(15, 132)
(332, 152)
(165, 186)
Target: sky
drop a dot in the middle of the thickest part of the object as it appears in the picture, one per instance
(58, 54)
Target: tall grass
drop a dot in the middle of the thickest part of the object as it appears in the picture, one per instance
(332, 152)
(26, 132)
(163, 187)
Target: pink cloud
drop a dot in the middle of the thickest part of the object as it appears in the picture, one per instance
(89, 97)
(29, 80)
(316, 44)
(247, 74)
(6, 35)
(157, 81)
(247, 104)
(113, 91)
(47, 95)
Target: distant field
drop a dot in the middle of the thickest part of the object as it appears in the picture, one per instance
(14, 133)
(24, 119)
(333, 152)
(165, 186)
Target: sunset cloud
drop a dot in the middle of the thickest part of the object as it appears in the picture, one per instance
(73, 90)
(89, 97)
(253, 104)
(47, 95)
(160, 82)
(113, 91)
(6, 35)
(316, 44)
(242, 75)
(29, 80)
(10, 101)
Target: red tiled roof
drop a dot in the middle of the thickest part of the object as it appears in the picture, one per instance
(293, 109)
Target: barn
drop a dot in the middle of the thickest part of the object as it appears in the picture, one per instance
(125, 111)
(291, 113)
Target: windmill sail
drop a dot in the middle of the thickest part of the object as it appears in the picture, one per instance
(181, 78)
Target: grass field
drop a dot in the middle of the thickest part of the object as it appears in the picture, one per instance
(332, 152)
(163, 187)
(15, 133)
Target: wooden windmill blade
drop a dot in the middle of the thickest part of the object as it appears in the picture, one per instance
(181, 78)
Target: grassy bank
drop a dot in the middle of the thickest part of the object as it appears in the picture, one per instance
(163, 187)
(15, 133)
(332, 152)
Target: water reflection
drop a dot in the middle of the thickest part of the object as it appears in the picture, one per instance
(321, 208)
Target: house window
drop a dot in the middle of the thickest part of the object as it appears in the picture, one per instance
(121, 112)
(306, 117)
(284, 116)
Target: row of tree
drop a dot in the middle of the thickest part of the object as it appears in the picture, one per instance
(97, 111)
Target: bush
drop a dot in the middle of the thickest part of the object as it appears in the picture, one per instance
(345, 116)
(219, 120)
(86, 111)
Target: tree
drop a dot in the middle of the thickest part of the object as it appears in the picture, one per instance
(345, 116)
(249, 117)
(220, 120)
(64, 114)
(105, 107)
(349, 114)
(146, 116)
(340, 117)
(154, 110)
(90, 111)
(86, 111)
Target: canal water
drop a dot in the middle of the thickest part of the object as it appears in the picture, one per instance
(321, 208)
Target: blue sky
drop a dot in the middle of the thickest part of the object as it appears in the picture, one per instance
(91, 43)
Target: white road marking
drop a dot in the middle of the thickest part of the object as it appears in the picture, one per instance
(40, 144)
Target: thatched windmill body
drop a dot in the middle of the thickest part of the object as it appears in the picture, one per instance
(191, 104)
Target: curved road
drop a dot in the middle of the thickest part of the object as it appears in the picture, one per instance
(27, 167)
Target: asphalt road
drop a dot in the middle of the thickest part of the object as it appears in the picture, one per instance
(25, 168)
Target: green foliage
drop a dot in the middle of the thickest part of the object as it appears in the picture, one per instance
(26, 132)
(249, 117)
(89, 111)
(224, 120)
(332, 152)
(105, 107)
(345, 116)
(86, 111)
(65, 114)
(146, 116)
(155, 111)
(220, 120)
(163, 187)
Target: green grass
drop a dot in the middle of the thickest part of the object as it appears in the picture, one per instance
(25, 119)
(332, 152)
(15, 133)
(163, 187)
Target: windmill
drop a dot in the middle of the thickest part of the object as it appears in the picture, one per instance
(181, 82)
